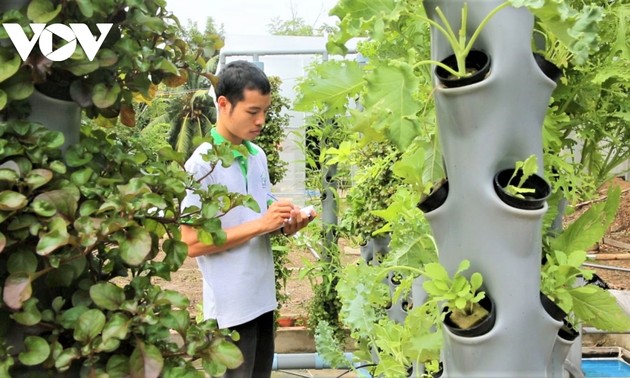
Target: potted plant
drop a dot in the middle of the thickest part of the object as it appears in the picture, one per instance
(82, 235)
(521, 187)
(467, 311)
(142, 50)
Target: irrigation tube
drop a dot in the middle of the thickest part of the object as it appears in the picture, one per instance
(285, 361)
(590, 265)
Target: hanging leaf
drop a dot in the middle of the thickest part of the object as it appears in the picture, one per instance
(42, 11)
(36, 351)
(11, 201)
(136, 246)
(38, 178)
(9, 64)
(107, 295)
(146, 361)
(104, 96)
(17, 289)
(127, 115)
(56, 237)
(117, 327)
(89, 325)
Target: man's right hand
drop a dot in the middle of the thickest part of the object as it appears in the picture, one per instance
(278, 213)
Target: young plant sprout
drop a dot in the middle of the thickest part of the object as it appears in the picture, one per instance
(461, 47)
(522, 171)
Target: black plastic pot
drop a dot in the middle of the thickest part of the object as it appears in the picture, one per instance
(477, 64)
(531, 201)
(549, 69)
(481, 328)
(567, 332)
(552, 308)
(435, 199)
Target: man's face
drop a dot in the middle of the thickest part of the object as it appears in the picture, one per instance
(245, 119)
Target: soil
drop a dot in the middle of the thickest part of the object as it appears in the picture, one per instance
(187, 279)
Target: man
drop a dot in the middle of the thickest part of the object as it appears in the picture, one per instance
(238, 276)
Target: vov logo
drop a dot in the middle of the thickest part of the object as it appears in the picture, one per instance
(73, 34)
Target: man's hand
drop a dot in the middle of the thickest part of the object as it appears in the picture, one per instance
(298, 220)
(277, 215)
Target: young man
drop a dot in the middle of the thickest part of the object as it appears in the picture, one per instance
(238, 276)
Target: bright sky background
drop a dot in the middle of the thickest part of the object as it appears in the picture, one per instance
(251, 16)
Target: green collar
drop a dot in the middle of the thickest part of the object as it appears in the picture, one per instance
(218, 139)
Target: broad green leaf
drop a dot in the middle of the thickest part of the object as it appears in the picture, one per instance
(136, 246)
(38, 177)
(86, 7)
(226, 353)
(389, 91)
(56, 237)
(107, 295)
(42, 11)
(36, 351)
(22, 261)
(17, 289)
(118, 366)
(3, 242)
(30, 314)
(599, 308)
(89, 325)
(176, 252)
(105, 96)
(69, 317)
(331, 84)
(117, 327)
(174, 298)
(590, 227)
(65, 201)
(177, 320)
(11, 201)
(9, 65)
(66, 357)
(146, 361)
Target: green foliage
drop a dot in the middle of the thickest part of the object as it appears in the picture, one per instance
(565, 255)
(522, 170)
(130, 64)
(81, 236)
(270, 140)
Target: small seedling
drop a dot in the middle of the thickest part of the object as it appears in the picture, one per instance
(522, 171)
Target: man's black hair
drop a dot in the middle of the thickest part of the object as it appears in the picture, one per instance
(238, 76)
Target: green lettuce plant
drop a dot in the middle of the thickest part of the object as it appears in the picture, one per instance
(82, 235)
(561, 273)
(522, 170)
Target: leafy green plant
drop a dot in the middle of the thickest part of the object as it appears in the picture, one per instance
(82, 236)
(522, 171)
(566, 254)
(142, 50)
(459, 294)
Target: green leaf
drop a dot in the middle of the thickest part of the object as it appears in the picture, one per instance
(3, 101)
(176, 252)
(9, 65)
(136, 246)
(11, 201)
(146, 361)
(105, 96)
(36, 351)
(599, 308)
(42, 11)
(174, 298)
(590, 227)
(390, 92)
(3, 242)
(65, 201)
(118, 366)
(64, 360)
(117, 327)
(30, 314)
(177, 320)
(17, 289)
(86, 8)
(22, 261)
(226, 353)
(68, 318)
(332, 84)
(56, 237)
(89, 325)
(38, 178)
(107, 295)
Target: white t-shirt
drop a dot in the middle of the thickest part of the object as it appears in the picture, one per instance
(239, 283)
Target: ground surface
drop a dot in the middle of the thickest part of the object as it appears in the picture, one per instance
(617, 242)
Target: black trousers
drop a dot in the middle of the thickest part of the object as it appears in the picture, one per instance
(257, 345)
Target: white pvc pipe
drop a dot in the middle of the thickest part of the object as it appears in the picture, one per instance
(287, 361)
